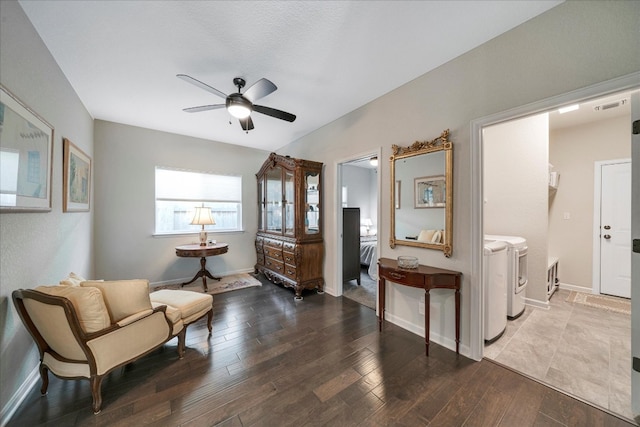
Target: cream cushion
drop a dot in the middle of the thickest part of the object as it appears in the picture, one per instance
(72, 279)
(192, 305)
(123, 298)
(426, 236)
(88, 303)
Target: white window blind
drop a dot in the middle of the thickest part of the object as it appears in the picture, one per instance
(178, 192)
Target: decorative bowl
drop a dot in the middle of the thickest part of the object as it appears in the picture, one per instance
(407, 262)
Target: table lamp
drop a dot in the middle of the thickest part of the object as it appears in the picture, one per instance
(203, 217)
(367, 223)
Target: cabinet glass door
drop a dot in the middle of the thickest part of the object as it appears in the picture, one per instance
(274, 200)
(289, 200)
(261, 204)
(312, 203)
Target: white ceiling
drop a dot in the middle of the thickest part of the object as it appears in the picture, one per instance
(327, 57)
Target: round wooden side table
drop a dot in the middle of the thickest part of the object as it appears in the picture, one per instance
(202, 252)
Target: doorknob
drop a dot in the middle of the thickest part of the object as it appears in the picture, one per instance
(607, 227)
(607, 236)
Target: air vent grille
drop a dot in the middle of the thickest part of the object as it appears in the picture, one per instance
(610, 105)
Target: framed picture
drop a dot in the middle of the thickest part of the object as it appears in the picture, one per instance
(397, 195)
(76, 179)
(26, 153)
(430, 192)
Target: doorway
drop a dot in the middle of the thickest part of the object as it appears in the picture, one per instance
(358, 188)
(604, 89)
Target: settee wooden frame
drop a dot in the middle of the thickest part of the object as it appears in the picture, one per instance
(82, 339)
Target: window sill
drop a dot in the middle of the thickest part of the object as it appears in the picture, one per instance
(197, 233)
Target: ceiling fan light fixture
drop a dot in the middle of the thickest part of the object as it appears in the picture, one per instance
(238, 107)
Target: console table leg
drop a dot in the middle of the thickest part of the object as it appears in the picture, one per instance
(427, 306)
(458, 319)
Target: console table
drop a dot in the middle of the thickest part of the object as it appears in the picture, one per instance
(202, 252)
(424, 277)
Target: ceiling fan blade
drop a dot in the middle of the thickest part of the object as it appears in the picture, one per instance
(278, 114)
(246, 123)
(201, 85)
(259, 89)
(203, 108)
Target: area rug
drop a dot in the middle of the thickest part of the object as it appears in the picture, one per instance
(619, 305)
(226, 284)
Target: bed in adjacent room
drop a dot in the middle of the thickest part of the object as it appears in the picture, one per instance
(368, 254)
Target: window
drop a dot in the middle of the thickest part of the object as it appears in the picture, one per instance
(178, 192)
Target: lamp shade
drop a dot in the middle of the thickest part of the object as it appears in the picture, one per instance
(202, 216)
(367, 222)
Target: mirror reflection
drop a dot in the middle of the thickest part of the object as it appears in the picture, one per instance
(421, 194)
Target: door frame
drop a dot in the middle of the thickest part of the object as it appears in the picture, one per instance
(597, 202)
(629, 82)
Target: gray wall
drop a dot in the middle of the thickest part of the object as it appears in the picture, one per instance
(574, 45)
(38, 248)
(125, 161)
(362, 192)
(573, 152)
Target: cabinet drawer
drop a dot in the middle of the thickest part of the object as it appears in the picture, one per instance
(290, 271)
(289, 258)
(273, 253)
(268, 243)
(277, 266)
(404, 277)
(289, 247)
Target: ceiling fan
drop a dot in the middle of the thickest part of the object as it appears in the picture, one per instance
(240, 105)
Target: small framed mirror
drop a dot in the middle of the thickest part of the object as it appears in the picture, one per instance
(422, 194)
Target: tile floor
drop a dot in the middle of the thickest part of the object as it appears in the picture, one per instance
(581, 350)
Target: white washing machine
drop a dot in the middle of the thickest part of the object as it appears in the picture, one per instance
(495, 290)
(517, 276)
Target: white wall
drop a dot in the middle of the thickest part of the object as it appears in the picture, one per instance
(125, 161)
(516, 191)
(573, 152)
(574, 45)
(37, 248)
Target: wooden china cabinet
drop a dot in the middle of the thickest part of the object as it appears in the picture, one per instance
(289, 244)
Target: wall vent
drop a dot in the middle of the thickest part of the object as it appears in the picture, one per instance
(610, 105)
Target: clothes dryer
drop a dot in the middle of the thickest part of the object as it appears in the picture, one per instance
(517, 276)
(495, 290)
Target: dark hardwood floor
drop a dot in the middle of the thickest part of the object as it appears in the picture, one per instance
(272, 361)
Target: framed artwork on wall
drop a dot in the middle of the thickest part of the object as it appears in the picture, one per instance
(430, 192)
(76, 179)
(26, 153)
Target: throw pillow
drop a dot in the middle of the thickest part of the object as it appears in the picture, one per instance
(87, 302)
(123, 297)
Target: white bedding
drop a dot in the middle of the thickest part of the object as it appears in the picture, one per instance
(368, 255)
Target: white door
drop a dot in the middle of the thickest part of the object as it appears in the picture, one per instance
(615, 230)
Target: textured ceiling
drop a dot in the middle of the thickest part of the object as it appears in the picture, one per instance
(327, 58)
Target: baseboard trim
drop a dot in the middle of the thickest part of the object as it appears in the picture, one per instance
(576, 288)
(537, 304)
(20, 395)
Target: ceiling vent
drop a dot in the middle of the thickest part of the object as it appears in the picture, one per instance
(610, 105)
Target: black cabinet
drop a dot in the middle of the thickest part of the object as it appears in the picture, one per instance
(351, 244)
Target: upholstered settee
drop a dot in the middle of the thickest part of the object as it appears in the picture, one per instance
(85, 330)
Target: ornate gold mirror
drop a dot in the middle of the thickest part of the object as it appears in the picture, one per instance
(422, 194)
